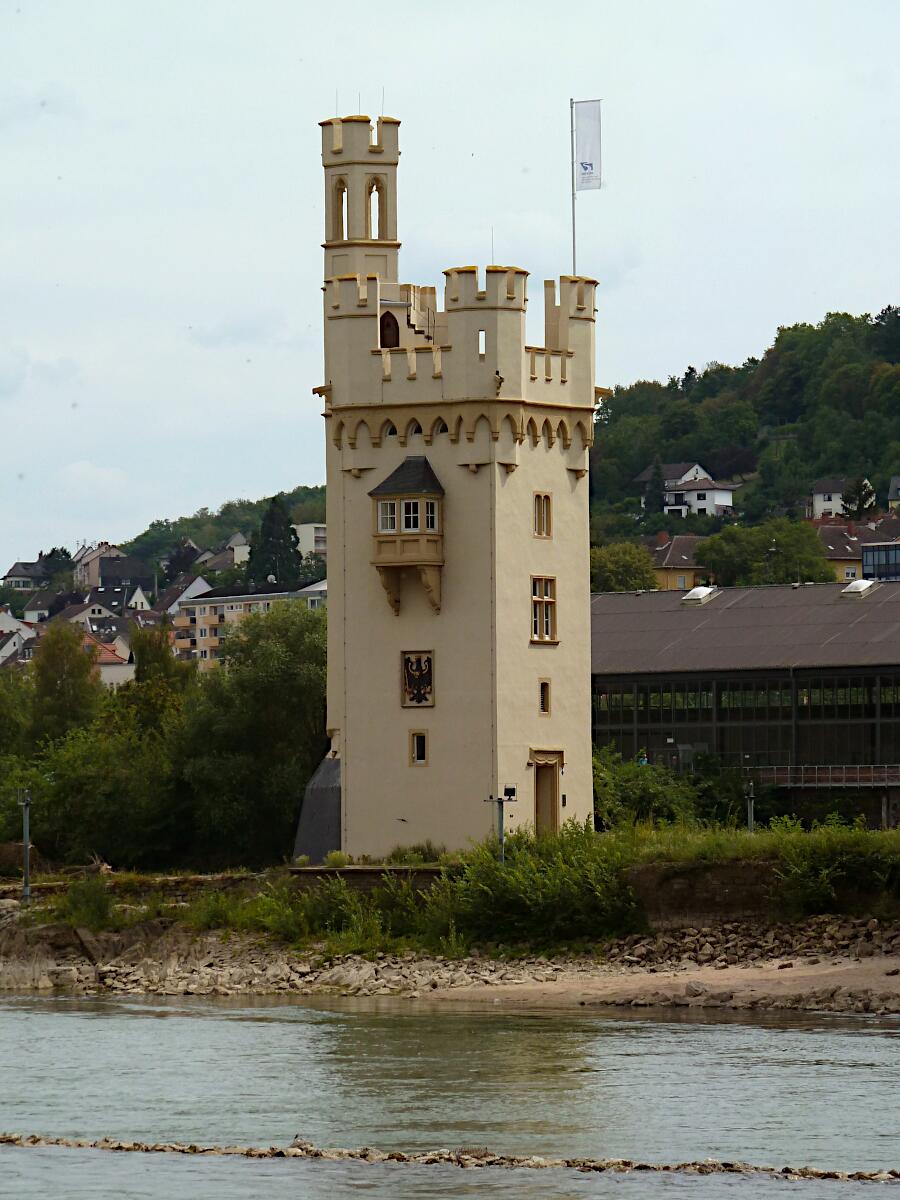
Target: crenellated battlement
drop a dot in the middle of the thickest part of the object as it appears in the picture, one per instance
(474, 347)
(503, 288)
(356, 139)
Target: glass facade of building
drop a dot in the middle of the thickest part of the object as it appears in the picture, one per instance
(752, 719)
(881, 560)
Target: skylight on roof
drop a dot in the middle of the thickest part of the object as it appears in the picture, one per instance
(699, 595)
(859, 587)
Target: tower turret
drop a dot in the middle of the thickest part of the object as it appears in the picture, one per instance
(360, 163)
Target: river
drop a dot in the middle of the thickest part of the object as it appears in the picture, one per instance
(789, 1089)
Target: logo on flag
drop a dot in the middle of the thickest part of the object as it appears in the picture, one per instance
(587, 144)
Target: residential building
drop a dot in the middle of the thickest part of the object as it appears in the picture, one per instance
(893, 498)
(184, 588)
(11, 643)
(25, 576)
(86, 563)
(827, 497)
(690, 489)
(312, 539)
(843, 546)
(119, 598)
(203, 622)
(315, 594)
(457, 517)
(673, 561)
(786, 676)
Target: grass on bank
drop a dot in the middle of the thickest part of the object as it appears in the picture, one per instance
(567, 890)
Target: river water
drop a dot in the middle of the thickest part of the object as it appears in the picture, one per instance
(793, 1089)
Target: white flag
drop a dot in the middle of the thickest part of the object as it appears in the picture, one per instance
(587, 144)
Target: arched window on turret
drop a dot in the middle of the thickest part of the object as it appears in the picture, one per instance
(376, 212)
(390, 331)
(339, 214)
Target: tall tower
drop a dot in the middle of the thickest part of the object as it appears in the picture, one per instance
(458, 583)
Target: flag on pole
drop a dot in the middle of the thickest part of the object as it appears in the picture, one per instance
(587, 144)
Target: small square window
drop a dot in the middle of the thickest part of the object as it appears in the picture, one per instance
(418, 748)
(701, 495)
(410, 516)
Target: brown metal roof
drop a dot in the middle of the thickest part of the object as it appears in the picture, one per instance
(743, 629)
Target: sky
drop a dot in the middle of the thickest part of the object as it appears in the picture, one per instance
(161, 210)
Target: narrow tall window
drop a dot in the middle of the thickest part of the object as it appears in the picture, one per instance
(340, 210)
(543, 609)
(410, 516)
(390, 331)
(482, 340)
(387, 516)
(418, 748)
(431, 515)
(542, 515)
(375, 211)
(544, 700)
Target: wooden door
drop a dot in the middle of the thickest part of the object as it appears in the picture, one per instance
(546, 797)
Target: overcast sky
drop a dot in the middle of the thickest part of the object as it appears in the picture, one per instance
(161, 209)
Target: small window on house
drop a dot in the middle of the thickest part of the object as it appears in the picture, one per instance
(542, 515)
(701, 495)
(482, 341)
(418, 748)
(681, 583)
(390, 331)
(544, 702)
(387, 516)
(203, 633)
(410, 516)
(414, 429)
(441, 427)
(701, 512)
(543, 609)
(431, 515)
(850, 572)
(391, 431)
(204, 654)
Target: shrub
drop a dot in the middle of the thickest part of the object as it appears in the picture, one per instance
(337, 858)
(86, 903)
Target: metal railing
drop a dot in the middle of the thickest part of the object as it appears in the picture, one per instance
(849, 775)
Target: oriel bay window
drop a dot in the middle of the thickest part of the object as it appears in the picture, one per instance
(543, 609)
(408, 530)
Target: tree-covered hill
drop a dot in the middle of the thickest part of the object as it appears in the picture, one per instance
(210, 529)
(823, 400)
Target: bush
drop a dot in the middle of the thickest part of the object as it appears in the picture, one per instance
(337, 858)
(633, 791)
(87, 904)
(417, 854)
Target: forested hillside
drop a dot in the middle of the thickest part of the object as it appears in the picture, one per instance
(823, 400)
(209, 529)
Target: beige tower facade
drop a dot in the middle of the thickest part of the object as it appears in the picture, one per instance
(458, 580)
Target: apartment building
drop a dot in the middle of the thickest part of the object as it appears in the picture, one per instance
(203, 622)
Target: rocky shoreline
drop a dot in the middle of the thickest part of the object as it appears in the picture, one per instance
(465, 1157)
(829, 964)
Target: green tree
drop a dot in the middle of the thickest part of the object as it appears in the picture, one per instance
(15, 711)
(14, 600)
(778, 551)
(655, 495)
(621, 567)
(858, 499)
(181, 559)
(67, 692)
(274, 551)
(253, 734)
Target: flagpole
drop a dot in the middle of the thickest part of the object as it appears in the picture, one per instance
(572, 176)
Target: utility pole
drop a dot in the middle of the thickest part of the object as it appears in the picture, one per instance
(751, 819)
(23, 796)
